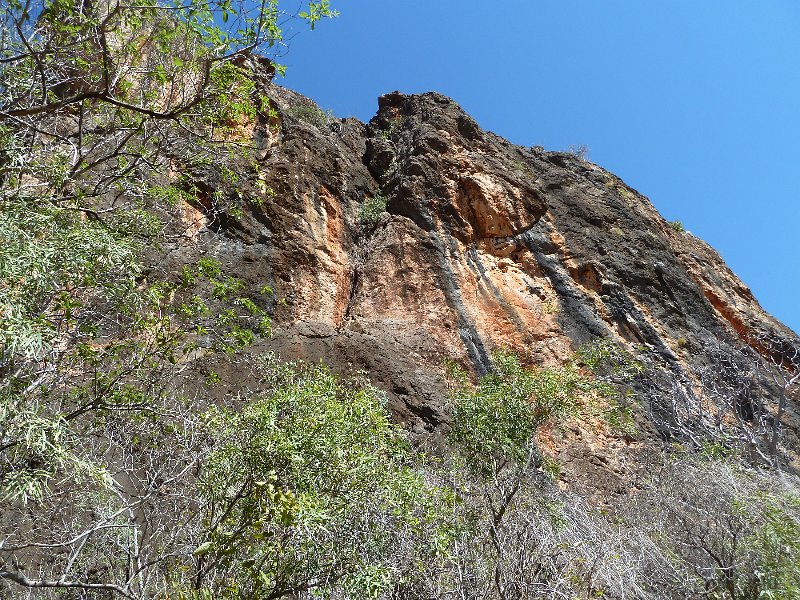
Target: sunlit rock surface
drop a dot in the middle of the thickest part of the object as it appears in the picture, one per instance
(483, 245)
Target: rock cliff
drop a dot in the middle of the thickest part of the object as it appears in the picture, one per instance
(483, 245)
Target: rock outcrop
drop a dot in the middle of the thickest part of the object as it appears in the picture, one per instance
(483, 244)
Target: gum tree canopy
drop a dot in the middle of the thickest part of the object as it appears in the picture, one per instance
(107, 107)
(154, 57)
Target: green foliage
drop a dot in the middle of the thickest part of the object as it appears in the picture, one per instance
(518, 531)
(44, 414)
(619, 416)
(75, 130)
(312, 485)
(312, 114)
(494, 422)
(371, 211)
(613, 369)
(44, 449)
(316, 11)
(607, 359)
(193, 43)
(49, 258)
(715, 450)
(772, 548)
(677, 226)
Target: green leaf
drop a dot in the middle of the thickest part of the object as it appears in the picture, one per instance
(203, 548)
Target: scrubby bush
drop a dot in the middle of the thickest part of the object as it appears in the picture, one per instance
(312, 114)
(494, 422)
(312, 488)
(307, 490)
(580, 151)
(521, 536)
(677, 226)
(371, 211)
(692, 527)
(729, 532)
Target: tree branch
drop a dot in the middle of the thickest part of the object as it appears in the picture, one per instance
(20, 579)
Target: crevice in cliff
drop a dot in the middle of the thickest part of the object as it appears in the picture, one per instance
(775, 350)
(506, 245)
(355, 280)
(725, 311)
(628, 316)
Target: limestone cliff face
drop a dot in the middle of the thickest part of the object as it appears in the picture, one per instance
(483, 244)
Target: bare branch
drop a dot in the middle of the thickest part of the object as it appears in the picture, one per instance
(20, 579)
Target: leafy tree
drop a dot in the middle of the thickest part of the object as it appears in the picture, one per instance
(495, 421)
(95, 100)
(307, 489)
(524, 538)
(311, 487)
(99, 451)
(156, 59)
(111, 115)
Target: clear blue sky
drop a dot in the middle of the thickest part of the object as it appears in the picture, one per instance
(695, 103)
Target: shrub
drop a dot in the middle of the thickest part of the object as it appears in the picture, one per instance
(311, 114)
(773, 548)
(371, 211)
(313, 487)
(730, 532)
(494, 421)
(609, 361)
(677, 226)
(521, 536)
(578, 150)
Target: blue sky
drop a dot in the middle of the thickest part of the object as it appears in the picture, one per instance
(692, 102)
